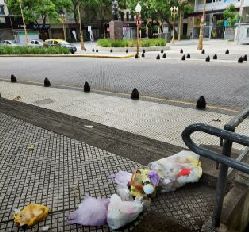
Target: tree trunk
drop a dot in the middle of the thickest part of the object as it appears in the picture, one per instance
(171, 25)
(82, 46)
(75, 11)
(180, 25)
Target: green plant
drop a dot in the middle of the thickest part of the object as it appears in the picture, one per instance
(18, 50)
(220, 23)
(231, 15)
(130, 42)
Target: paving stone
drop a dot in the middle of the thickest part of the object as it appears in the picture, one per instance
(60, 171)
(153, 120)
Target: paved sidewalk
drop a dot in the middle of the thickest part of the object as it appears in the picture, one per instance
(162, 122)
(60, 171)
(211, 47)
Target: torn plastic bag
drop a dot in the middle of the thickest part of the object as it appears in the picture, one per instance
(121, 212)
(178, 170)
(124, 193)
(122, 178)
(91, 212)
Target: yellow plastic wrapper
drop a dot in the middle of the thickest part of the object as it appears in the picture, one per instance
(144, 183)
(30, 215)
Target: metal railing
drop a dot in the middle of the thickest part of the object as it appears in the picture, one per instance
(228, 136)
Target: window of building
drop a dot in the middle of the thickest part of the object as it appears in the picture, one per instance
(2, 10)
(209, 1)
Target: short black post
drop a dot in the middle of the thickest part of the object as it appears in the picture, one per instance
(13, 78)
(47, 82)
(201, 103)
(135, 94)
(87, 87)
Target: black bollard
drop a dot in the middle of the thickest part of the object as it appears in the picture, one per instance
(158, 57)
(136, 56)
(161, 51)
(143, 51)
(143, 55)
(164, 55)
(227, 52)
(201, 103)
(111, 51)
(47, 83)
(215, 57)
(135, 94)
(183, 57)
(93, 50)
(86, 87)
(203, 51)
(240, 60)
(245, 57)
(13, 78)
(127, 51)
(188, 56)
(97, 50)
(181, 51)
(208, 59)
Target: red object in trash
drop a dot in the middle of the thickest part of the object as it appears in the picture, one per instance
(184, 172)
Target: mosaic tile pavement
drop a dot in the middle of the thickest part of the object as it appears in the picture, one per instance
(58, 171)
(162, 122)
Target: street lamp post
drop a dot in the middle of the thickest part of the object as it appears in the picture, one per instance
(200, 42)
(138, 9)
(174, 12)
(62, 14)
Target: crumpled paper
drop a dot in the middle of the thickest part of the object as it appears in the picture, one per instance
(30, 215)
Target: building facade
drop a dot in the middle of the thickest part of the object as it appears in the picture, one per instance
(214, 20)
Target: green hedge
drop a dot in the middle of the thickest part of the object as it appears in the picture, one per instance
(16, 50)
(130, 42)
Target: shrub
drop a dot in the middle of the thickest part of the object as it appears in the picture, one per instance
(17, 50)
(130, 42)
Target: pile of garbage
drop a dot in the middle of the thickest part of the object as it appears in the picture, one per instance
(134, 192)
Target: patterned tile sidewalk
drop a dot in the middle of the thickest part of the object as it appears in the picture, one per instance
(59, 171)
(162, 122)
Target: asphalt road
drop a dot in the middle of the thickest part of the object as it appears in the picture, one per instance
(222, 83)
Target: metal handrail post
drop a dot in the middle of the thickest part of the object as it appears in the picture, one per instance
(225, 159)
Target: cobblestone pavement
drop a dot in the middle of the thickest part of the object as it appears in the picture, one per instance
(224, 83)
(59, 171)
(156, 121)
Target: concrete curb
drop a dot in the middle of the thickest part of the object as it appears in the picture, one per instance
(133, 49)
(75, 55)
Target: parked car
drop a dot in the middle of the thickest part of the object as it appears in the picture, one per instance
(61, 43)
(36, 42)
(8, 42)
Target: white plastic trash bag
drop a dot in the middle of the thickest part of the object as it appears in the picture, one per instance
(121, 212)
(178, 170)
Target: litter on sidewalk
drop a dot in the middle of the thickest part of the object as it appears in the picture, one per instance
(178, 170)
(91, 212)
(30, 215)
(135, 190)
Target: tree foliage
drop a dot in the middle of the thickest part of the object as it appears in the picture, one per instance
(38, 9)
(231, 15)
(160, 9)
